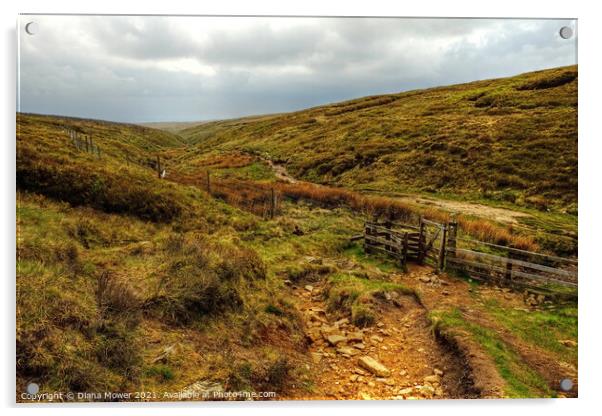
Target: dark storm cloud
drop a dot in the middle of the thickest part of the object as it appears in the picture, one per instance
(159, 68)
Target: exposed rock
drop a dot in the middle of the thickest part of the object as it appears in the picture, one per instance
(424, 279)
(568, 343)
(374, 366)
(348, 351)
(353, 378)
(359, 346)
(316, 357)
(165, 354)
(309, 288)
(355, 336)
(365, 396)
(326, 330)
(314, 334)
(387, 381)
(434, 379)
(407, 390)
(312, 316)
(335, 339)
(426, 391)
(376, 339)
(438, 372)
(403, 373)
(205, 389)
(380, 324)
(341, 323)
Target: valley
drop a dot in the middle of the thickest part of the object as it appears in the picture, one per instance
(240, 269)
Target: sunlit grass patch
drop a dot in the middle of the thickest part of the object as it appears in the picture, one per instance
(522, 381)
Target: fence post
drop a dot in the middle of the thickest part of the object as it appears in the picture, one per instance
(422, 242)
(273, 203)
(87, 139)
(366, 233)
(208, 183)
(404, 250)
(159, 167)
(451, 238)
(442, 249)
(508, 274)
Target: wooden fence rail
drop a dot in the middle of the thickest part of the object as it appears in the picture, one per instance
(437, 244)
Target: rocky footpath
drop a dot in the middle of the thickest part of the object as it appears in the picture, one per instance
(397, 358)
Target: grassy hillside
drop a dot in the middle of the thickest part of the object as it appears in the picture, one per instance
(511, 140)
(125, 280)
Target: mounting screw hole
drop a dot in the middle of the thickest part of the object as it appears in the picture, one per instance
(31, 28)
(566, 32)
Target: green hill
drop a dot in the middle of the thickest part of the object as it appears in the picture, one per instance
(512, 139)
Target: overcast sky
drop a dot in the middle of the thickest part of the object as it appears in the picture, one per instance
(140, 69)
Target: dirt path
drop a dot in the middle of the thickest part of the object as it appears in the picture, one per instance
(418, 366)
(503, 215)
(446, 293)
(280, 172)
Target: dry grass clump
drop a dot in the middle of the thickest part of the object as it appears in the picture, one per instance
(392, 209)
(72, 336)
(201, 278)
(269, 372)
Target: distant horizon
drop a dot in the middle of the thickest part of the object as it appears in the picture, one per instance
(276, 112)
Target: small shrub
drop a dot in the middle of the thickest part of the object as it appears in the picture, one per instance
(274, 310)
(117, 348)
(115, 297)
(362, 316)
(202, 278)
(161, 372)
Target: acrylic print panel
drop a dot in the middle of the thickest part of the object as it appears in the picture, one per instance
(295, 208)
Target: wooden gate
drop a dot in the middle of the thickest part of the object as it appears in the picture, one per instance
(433, 237)
(400, 241)
(422, 244)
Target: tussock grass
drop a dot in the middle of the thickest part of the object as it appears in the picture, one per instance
(355, 296)
(201, 279)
